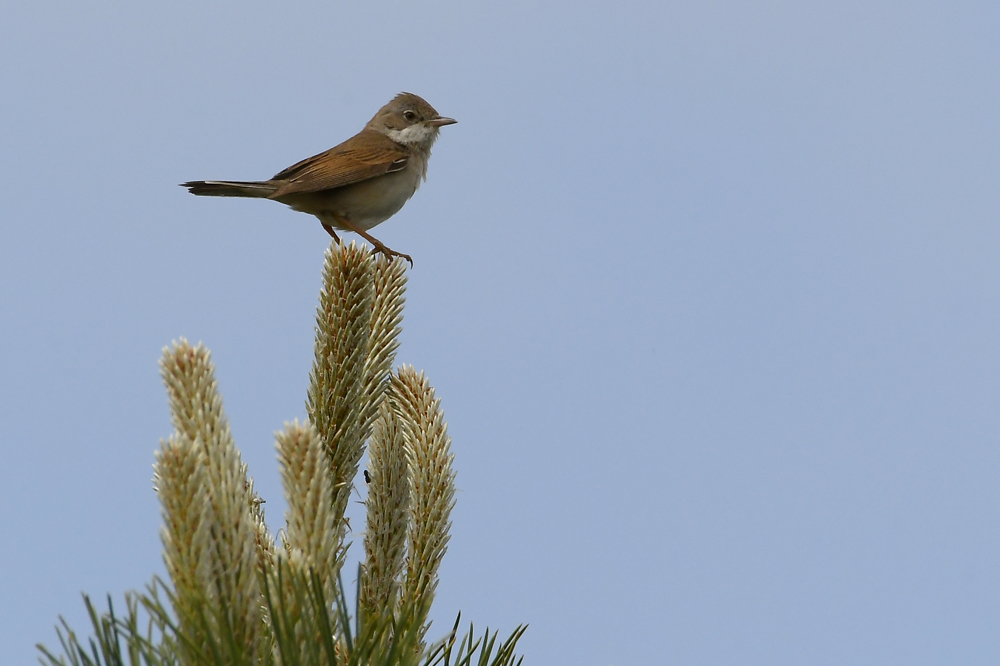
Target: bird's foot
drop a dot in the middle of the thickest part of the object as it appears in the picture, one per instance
(380, 247)
(390, 253)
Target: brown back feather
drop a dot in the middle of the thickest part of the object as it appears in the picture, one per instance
(366, 155)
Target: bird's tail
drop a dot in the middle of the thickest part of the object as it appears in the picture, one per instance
(230, 188)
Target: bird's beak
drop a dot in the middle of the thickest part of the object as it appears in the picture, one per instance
(441, 121)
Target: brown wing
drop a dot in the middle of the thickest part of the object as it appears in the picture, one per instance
(363, 156)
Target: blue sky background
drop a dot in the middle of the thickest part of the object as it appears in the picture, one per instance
(709, 291)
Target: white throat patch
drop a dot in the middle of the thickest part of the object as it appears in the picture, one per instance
(414, 135)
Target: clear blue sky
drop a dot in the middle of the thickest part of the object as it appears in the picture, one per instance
(709, 291)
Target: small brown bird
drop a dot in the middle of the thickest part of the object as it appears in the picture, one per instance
(360, 183)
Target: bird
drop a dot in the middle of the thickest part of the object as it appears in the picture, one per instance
(359, 183)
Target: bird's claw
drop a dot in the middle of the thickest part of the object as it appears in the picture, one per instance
(389, 253)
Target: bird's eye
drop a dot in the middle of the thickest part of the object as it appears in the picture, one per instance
(410, 115)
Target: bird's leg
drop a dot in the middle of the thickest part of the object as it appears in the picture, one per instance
(379, 246)
(329, 230)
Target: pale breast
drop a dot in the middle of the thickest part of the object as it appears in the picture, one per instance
(367, 203)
